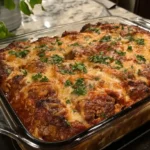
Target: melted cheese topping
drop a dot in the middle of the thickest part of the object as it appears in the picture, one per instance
(77, 80)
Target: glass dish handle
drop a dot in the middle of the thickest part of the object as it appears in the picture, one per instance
(6, 130)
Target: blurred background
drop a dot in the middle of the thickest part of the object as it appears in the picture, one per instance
(139, 7)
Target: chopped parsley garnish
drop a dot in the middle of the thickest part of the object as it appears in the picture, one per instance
(44, 79)
(101, 59)
(74, 111)
(113, 43)
(129, 48)
(79, 87)
(140, 59)
(86, 38)
(37, 76)
(68, 123)
(139, 72)
(68, 83)
(20, 54)
(96, 30)
(120, 53)
(122, 27)
(73, 67)
(130, 38)
(8, 71)
(52, 49)
(118, 64)
(42, 45)
(75, 44)
(68, 101)
(103, 115)
(140, 41)
(132, 67)
(91, 86)
(79, 67)
(24, 72)
(66, 71)
(56, 59)
(12, 52)
(106, 38)
(42, 54)
(125, 70)
(40, 77)
(44, 59)
(94, 40)
(58, 42)
(96, 78)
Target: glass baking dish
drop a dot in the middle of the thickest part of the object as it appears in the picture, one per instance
(96, 137)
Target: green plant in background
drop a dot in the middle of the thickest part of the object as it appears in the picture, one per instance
(26, 6)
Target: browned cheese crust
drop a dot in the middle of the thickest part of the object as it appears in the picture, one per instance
(61, 86)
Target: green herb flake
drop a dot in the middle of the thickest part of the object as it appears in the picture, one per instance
(101, 59)
(44, 59)
(79, 87)
(24, 71)
(113, 43)
(119, 64)
(74, 111)
(40, 77)
(12, 52)
(140, 59)
(116, 27)
(103, 115)
(52, 49)
(37, 76)
(68, 101)
(129, 48)
(79, 67)
(140, 41)
(106, 38)
(8, 71)
(68, 123)
(42, 46)
(20, 54)
(91, 86)
(65, 71)
(125, 70)
(75, 44)
(86, 38)
(130, 38)
(56, 59)
(44, 79)
(96, 30)
(42, 54)
(96, 78)
(132, 67)
(120, 53)
(59, 42)
(139, 72)
(68, 83)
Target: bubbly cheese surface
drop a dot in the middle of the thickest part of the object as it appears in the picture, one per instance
(61, 86)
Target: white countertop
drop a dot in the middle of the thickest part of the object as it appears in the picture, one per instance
(67, 11)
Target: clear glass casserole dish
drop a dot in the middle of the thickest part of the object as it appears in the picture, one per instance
(97, 137)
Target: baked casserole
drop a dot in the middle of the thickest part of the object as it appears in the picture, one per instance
(61, 86)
